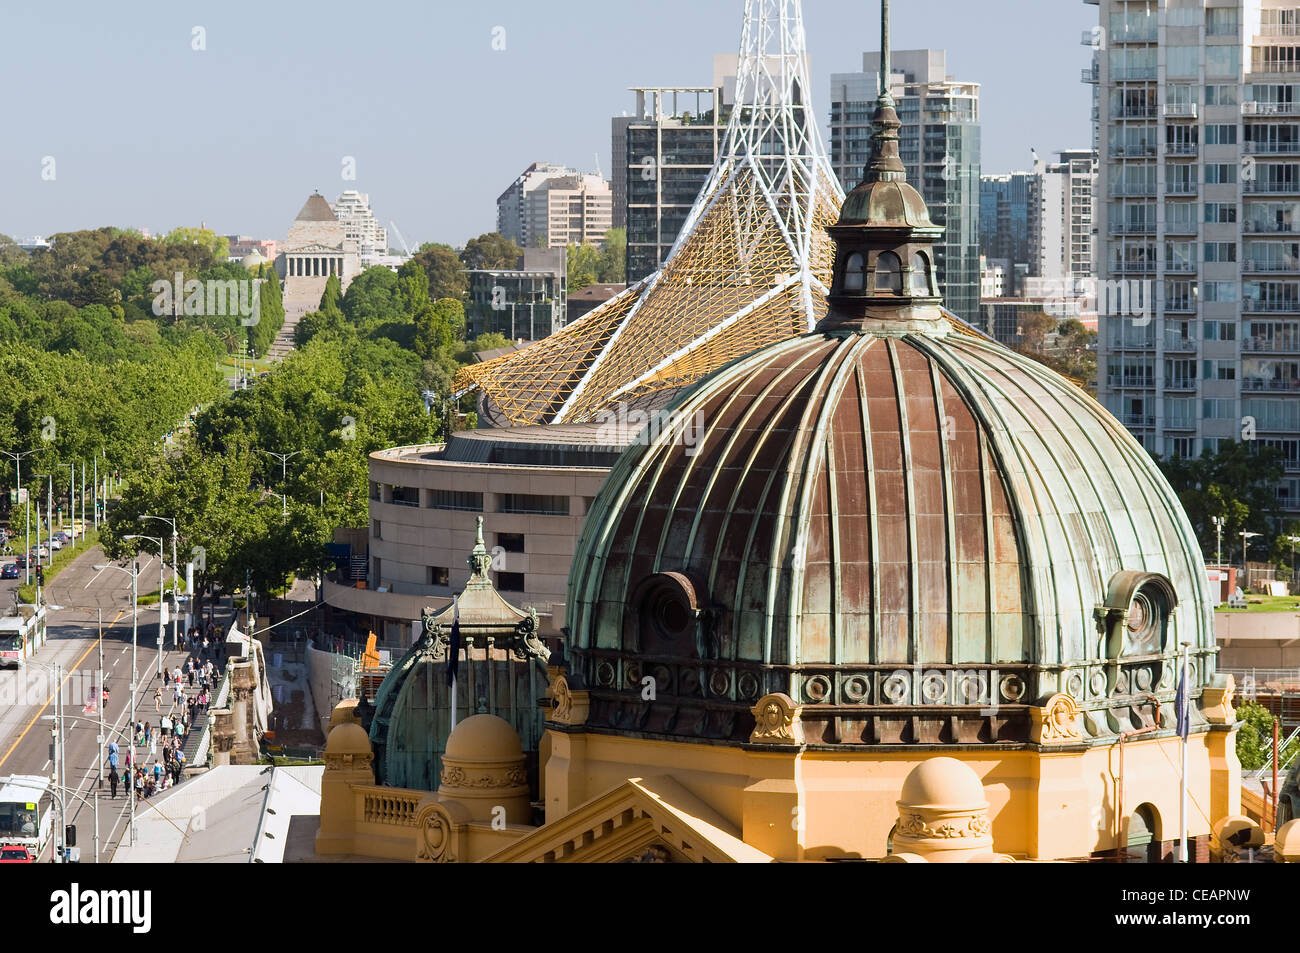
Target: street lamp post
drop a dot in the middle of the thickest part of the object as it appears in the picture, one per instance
(18, 467)
(175, 576)
(284, 477)
(134, 573)
(1246, 569)
(162, 627)
(49, 515)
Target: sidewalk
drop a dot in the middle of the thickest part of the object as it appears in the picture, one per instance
(147, 711)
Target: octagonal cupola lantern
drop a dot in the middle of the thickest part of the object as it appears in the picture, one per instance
(884, 262)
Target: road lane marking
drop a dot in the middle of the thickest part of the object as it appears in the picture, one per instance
(90, 648)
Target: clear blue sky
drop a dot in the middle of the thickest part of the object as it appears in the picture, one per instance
(146, 131)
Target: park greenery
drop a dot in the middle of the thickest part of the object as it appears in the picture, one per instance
(88, 370)
(1255, 738)
(243, 516)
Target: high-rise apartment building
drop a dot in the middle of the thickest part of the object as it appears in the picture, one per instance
(1061, 239)
(662, 156)
(1005, 202)
(550, 206)
(361, 226)
(939, 144)
(1199, 210)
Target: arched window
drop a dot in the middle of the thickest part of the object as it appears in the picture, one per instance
(889, 272)
(921, 275)
(855, 273)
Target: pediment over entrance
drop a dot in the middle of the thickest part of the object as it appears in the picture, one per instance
(643, 820)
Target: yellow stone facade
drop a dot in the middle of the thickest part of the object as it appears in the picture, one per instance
(609, 797)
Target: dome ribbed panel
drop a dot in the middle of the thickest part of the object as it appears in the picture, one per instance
(1102, 505)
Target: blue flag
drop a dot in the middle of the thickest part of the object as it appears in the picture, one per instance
(453, 657)
(1180, 704)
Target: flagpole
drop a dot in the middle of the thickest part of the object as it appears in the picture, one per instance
(1184, 723)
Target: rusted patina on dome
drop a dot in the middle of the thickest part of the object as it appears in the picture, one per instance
(908, 535)
(886, 204)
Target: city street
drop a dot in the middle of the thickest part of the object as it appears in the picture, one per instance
(82, 596)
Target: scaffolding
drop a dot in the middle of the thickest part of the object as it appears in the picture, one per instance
(751, 266)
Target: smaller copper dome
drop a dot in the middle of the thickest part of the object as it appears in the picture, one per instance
(891, 204)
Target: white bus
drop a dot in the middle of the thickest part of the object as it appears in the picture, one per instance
(26, 811)
(21, 635)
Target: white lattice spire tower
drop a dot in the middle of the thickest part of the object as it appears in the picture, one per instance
(751, 266)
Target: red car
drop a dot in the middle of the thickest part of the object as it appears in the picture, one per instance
(16, 854)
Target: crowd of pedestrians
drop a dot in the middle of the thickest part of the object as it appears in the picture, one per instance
(186, 691)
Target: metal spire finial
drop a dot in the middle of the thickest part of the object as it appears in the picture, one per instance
(884, 50)
(885, 164)
(479, 560)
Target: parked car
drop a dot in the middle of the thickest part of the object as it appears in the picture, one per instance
(10, 571)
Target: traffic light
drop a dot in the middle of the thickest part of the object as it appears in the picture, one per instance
(70, 836)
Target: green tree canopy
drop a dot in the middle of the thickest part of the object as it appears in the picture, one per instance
(490, 251)
(446, 272)
(1236, 482)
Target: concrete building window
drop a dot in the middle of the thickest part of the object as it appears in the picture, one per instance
(1222, 22)
(456, 500)
(377, 529)
(374, 490)
(532, 504)
(406, 496)
(511, 542)
(510, 581)
(439, 576)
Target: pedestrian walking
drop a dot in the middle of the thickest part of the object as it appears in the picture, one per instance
(167, 677)
(157, 699)
(112, 780)
(166, 726)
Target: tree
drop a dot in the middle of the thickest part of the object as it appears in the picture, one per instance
(584, 267)
(1255, 738)
(1033, 331)
(10, 253)
(1236, 482)
(613, 257)
(270, 313)
(371, 298)
(439, 328)
(446, 273)
(491, 251)
(216, 245)
(329, 301)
